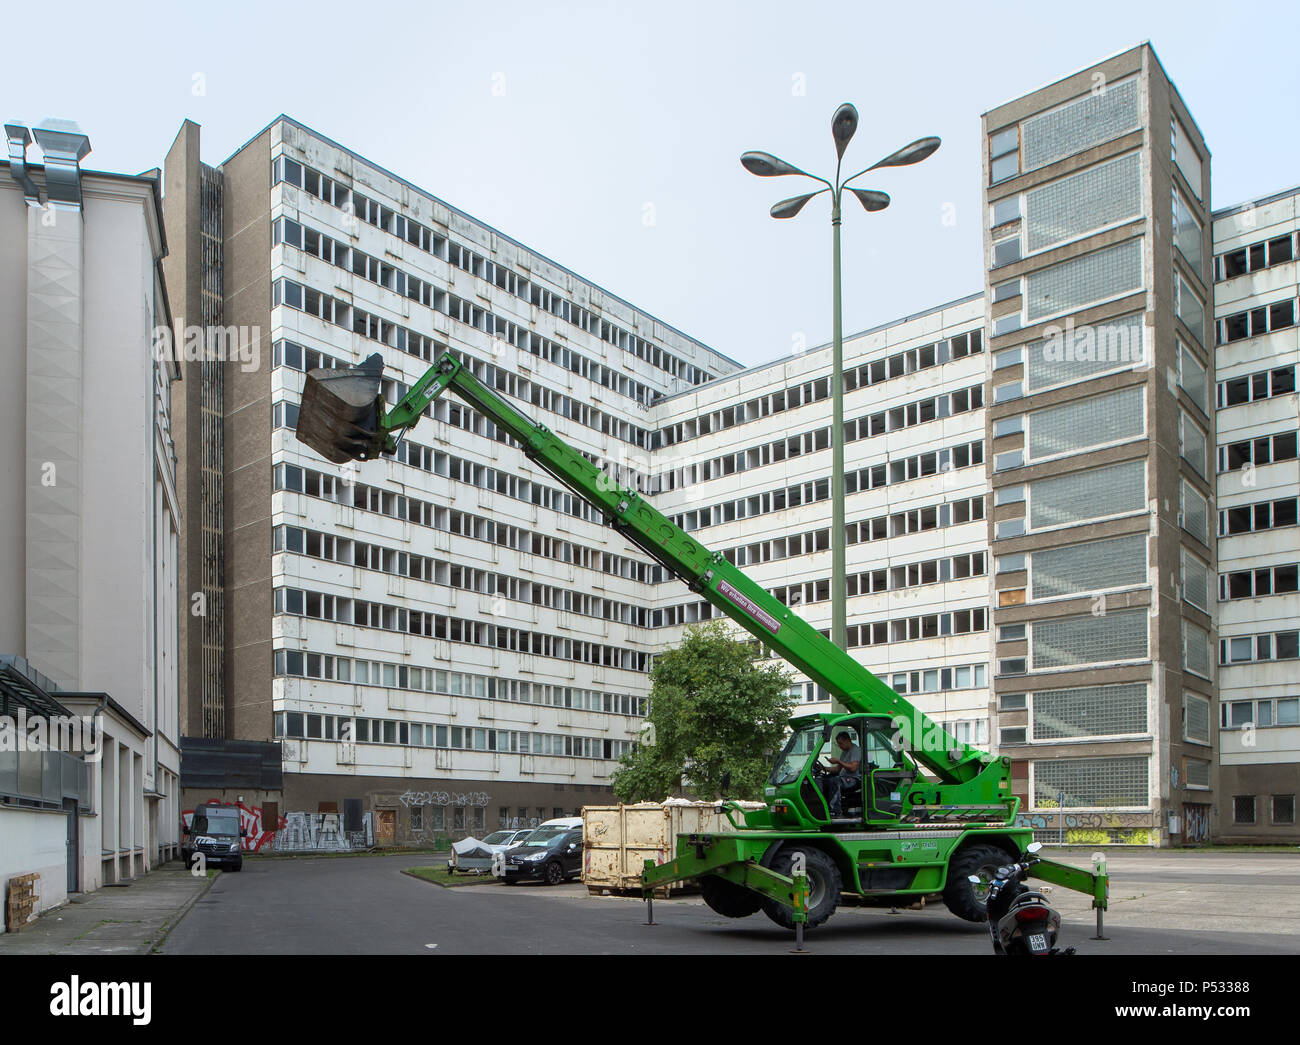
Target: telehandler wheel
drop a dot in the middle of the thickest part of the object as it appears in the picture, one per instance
(962, 898)
(729, 899)
(824, 885)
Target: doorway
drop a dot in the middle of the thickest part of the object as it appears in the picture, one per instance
(73, 846)
(385, 826)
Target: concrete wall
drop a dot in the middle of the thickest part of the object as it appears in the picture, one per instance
(35, 840)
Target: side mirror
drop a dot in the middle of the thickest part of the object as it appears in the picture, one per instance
(1033, 847)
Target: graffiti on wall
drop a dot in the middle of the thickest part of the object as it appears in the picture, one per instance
(323, 833)
(1044, 821)
(1196, 823)
(256, 834)
(476, 799)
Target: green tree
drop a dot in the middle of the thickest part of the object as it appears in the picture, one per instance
(713, 710)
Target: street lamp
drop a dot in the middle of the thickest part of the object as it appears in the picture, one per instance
(843, 126)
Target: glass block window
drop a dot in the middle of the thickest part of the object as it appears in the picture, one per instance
(1187, 232)
(1085, 352)
(1085, 423)
(1191, 375)
(1194, 511)
(1115, 636)
(1084, 280)
(1196, 581)
(1081, 124)
(1197, 772)
(1096, 566)
(1189, 307)
(1093, 494)
(1090, 711)
(1192, 442)
(1196, 718)
(1092, 199)
(1092, 782)
(1196, 650)
(1185, 156)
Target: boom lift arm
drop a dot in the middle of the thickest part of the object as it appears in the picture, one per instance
(371, 430)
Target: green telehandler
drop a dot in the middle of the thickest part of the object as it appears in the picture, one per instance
(930, 815)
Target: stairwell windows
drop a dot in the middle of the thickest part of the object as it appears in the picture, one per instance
(1004, 155)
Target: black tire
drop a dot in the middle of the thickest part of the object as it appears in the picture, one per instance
(824, 886)
(507, 881)
(729, 899)
(554, 873)
(238, 866)
(960, 895)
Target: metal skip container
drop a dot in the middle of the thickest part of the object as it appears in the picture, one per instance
(617, 840)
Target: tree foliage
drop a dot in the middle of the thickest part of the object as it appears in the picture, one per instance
(713, 710)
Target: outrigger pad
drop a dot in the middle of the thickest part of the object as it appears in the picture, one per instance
(339, 415)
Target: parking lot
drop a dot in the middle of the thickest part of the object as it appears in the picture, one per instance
(1161, 903)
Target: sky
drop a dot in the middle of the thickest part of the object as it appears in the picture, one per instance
(607, 135)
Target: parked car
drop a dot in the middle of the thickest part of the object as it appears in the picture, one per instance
(214, 831)
(474, 855)
(552, 854)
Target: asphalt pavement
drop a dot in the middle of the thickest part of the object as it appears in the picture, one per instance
(1161, 903)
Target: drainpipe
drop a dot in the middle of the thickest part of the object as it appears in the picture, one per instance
(19, 138)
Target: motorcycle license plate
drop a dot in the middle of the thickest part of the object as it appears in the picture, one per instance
(1038, 943)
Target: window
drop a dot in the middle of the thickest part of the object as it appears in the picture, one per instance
(1120, 635)
(1284, 809)
(1092, 494)
(1093, 566)
(1004, 155)
(1090, 711)
(1085, 280)
(1187, 232)
(1082, 424)
(1091, 782)
(1006, 210)
(1102, 195)
(1243, 809)
(1087, 352)
(1192, 443)
(1080, 124)
(1196, 718)
(1189, 308)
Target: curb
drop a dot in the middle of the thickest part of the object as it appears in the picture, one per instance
(151, 945)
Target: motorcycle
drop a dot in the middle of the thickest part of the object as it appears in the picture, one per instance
(1021, 921)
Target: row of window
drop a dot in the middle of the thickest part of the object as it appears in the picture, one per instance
(1260, 451)
(373, 213)
(403, 283)
(932, 571)
(909, 361)
(921, 626)
(1252, 518)
(1253, 257)
(1245, 649)
(474, 527)
(456, 575)
(385, 617)
(894, 419)
(1255, 322)
(293, 295)
(934, 462)
(1244, 809)
(1252, 584)
(1253, 387)
(330, 668)
(346, 730)
(1241, 714)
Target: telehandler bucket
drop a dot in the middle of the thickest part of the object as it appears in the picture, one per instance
(341, 409)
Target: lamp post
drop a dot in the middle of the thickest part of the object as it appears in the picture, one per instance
(843, 126)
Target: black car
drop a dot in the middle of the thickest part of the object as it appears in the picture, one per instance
(552, 854)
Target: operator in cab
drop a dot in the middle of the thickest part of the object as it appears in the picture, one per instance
(845, 773)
